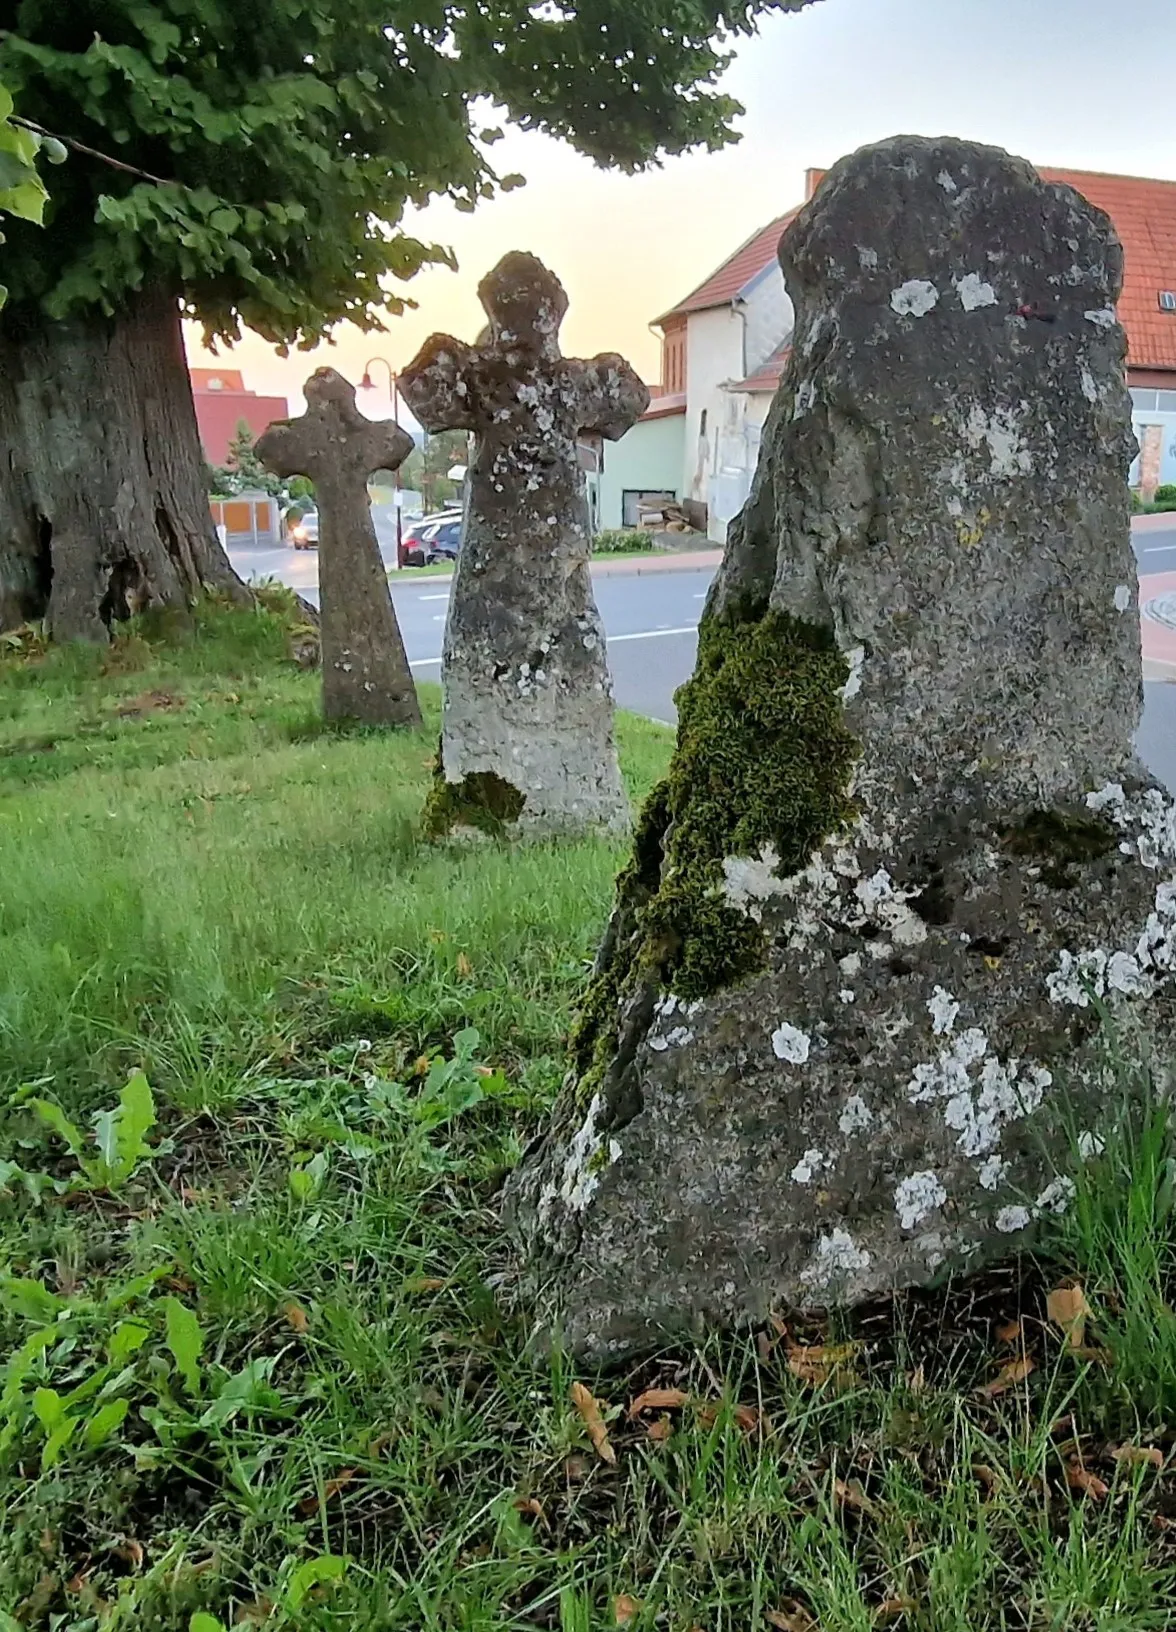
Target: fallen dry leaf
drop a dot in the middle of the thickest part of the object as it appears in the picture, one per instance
(987, 1476)
(1009, 1376)
(890, 1607)
(1138, 1455)
(1080, 1478)
(331, 1487)
(426, 1283)
(464, 967)
(624, 1608)
(420, 1066)
(818, 1363)
(793, 1618)
(1010, 1332)
(1067, 1307)
(296, 1317)
(130, 1550)
(589, 1410)
(658, 1399)
(660, 1430)
(917, 1381)
(850, 1494)
(531, 1505)
(745, 1417)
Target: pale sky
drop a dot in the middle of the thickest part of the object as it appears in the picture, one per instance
(1072, 83)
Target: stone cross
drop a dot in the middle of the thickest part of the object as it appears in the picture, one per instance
(528, 713)
(845, 1030)
(366, 677)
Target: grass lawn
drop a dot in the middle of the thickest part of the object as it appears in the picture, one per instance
(264, 1059)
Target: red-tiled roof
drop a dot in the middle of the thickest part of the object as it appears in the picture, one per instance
(738, 270)
(1142, 209)
(1144, 214)
(767, 375)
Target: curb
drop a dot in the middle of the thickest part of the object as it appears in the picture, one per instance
(687, 561)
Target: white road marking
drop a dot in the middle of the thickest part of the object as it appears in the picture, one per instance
(444, 597)
(1158, 549)
(438, 617)
(648, 634)
(701, 596)
(423, 662)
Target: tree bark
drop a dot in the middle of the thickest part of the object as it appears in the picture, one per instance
(103, 503)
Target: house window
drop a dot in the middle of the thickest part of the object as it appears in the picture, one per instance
(1168, 300)
(674, 362)
(636, 499)
(1166, 402)
(1144, 400)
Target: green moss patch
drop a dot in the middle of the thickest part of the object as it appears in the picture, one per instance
(764, 758)
(482, 800)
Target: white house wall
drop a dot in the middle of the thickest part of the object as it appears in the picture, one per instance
(714, 355)
(737, 453)
(768, 317)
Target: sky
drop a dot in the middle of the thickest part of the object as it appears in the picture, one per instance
(1070, 83)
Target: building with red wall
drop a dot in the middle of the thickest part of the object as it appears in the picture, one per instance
(222, 402)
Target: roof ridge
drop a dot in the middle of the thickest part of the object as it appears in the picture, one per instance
(1106, 175)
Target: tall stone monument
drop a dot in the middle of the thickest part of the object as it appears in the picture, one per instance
(905, 856)
(366, 677)
(527, 737)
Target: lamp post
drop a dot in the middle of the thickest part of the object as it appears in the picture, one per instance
(368, 384)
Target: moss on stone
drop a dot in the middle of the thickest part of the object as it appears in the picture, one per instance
(482, 800)
(764, 758)
(1063, 840)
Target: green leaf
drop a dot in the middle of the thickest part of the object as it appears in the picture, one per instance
(54, 150)
(56, 1120)
(5, 103)
(13, 170)
(185, 1340)
(27, 201)
(225, 220)
(128, 1337)
(106, 1420)
(247, 1390)
(57, 1441)
(315, 1572)
(31, 1300)
(120, 1134)
(201, 1622)
(48, 1408)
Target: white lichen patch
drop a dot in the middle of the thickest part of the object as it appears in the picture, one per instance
(991, 1172)
(1056, 1197)
(806, 395)
(1105, 318)
(867, 258)
(914, 298)
(974, 292)
(586, 1157)
(750, 880)
(886, 904)
(791, 1044)
(943, 1009)
(856, 658)
(1007, 454)
(917, 1197)
(836, 1254)
(978, 1108)
(855, 1116)
(1011, 1219)
(1087, 381)
(847, 995)
(947, 181)
(809, 1165)
(1122, 597)
(1090, 1145)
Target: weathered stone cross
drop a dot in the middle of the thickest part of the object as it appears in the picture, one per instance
(528, 702)
(366, 676)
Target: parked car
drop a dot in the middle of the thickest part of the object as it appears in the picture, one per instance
(431, 539)
(304, 533)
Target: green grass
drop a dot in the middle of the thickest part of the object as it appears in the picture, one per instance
(299, 1308)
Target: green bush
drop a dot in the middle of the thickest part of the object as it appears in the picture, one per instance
(620, 541)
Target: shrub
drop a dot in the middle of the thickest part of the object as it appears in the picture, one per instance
(1165, 493)
(620, 541)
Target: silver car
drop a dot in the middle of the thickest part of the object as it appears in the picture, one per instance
(304, 533)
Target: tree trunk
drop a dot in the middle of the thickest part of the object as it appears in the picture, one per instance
(103, 505)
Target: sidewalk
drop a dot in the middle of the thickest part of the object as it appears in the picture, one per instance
(623, 566)
(1159, 641)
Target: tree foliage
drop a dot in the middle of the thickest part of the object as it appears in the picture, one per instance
(22, 192)
(269, 150)
(427, 468)
(243, 471)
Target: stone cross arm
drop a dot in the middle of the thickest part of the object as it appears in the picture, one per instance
(609, 395)
(332, 437)
(439, 385)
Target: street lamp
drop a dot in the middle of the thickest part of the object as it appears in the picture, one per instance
(368, 384)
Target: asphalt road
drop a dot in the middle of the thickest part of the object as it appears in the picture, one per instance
(650, 621)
